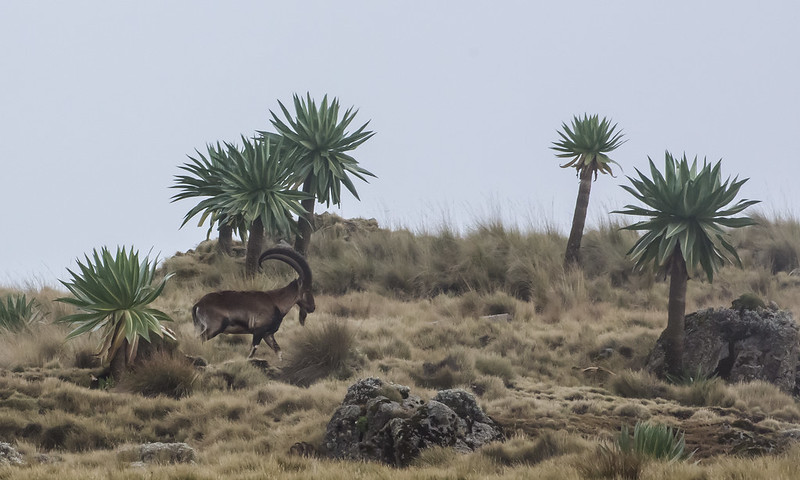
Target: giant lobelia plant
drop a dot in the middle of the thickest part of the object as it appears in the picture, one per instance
(687, 210)
(319, 142)
(257, 186)
(202, 179)
(587, 144)
(113, 293)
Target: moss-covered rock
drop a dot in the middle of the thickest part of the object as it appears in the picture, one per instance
(384, 422)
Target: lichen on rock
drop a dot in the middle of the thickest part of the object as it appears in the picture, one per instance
(384, 422)
(738, 346)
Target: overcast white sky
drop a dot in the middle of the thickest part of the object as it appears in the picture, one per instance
(101, 101)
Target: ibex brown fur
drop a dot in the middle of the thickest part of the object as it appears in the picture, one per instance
(255, 312)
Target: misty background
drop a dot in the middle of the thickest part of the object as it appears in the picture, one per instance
(100, 102)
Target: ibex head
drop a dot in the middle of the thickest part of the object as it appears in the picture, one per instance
(305, 297)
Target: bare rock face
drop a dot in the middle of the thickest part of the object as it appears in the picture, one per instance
(384, 422)
(738, 346)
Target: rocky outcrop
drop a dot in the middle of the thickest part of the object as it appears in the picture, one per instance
(738, 346)
(384, 422)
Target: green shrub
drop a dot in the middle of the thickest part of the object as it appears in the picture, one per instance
(625, 458)
(17, 313)
(653, 440)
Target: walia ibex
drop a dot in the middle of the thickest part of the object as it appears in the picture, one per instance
(255, 312)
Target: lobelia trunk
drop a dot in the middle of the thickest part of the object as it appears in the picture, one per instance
(572, 256)
(255, 244)
(674, 333)
(305, 224)
(225, 243)
(119, 363)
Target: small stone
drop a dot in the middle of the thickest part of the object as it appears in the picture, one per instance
(167, 453)
(9, 455)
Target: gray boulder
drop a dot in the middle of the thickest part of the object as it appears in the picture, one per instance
(384, 422)
(738, 346)
(9, 455)
(157, 452)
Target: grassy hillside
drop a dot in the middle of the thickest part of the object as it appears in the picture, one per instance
(561, 371)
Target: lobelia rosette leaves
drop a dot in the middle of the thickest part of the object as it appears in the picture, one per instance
(318, 142)
(688, 207)
(258, 183)
(203, 180)
(112, 293)
(587, 143)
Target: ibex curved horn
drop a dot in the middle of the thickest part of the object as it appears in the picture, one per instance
(293, 259)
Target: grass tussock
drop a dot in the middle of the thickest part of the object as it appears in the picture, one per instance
(322, 351)
(765, 398)
(611, 462)
(238, 374)
(162, 373)
(522, 450)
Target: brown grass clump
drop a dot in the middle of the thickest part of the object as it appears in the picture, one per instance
(319, 352)
(762, 397)
(523, 450)
(772, 244)
(611, 462)
(638, 384)
(35, 348)
(497, 366)
(162, 373)
(238, 374)
(704, 392)
(454, 370)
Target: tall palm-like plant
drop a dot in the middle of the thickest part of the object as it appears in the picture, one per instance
(587, 144)
(203, 181)
(687, 210)
(256, 185)
(112, 293)
(319, 142)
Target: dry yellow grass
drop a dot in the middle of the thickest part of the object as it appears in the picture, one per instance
(562, 375)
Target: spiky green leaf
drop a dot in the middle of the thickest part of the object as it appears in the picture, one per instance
(587, 144)
(112, 293)
(318, 142)
(689, 210)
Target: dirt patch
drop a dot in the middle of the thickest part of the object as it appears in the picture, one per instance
(709, 431)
